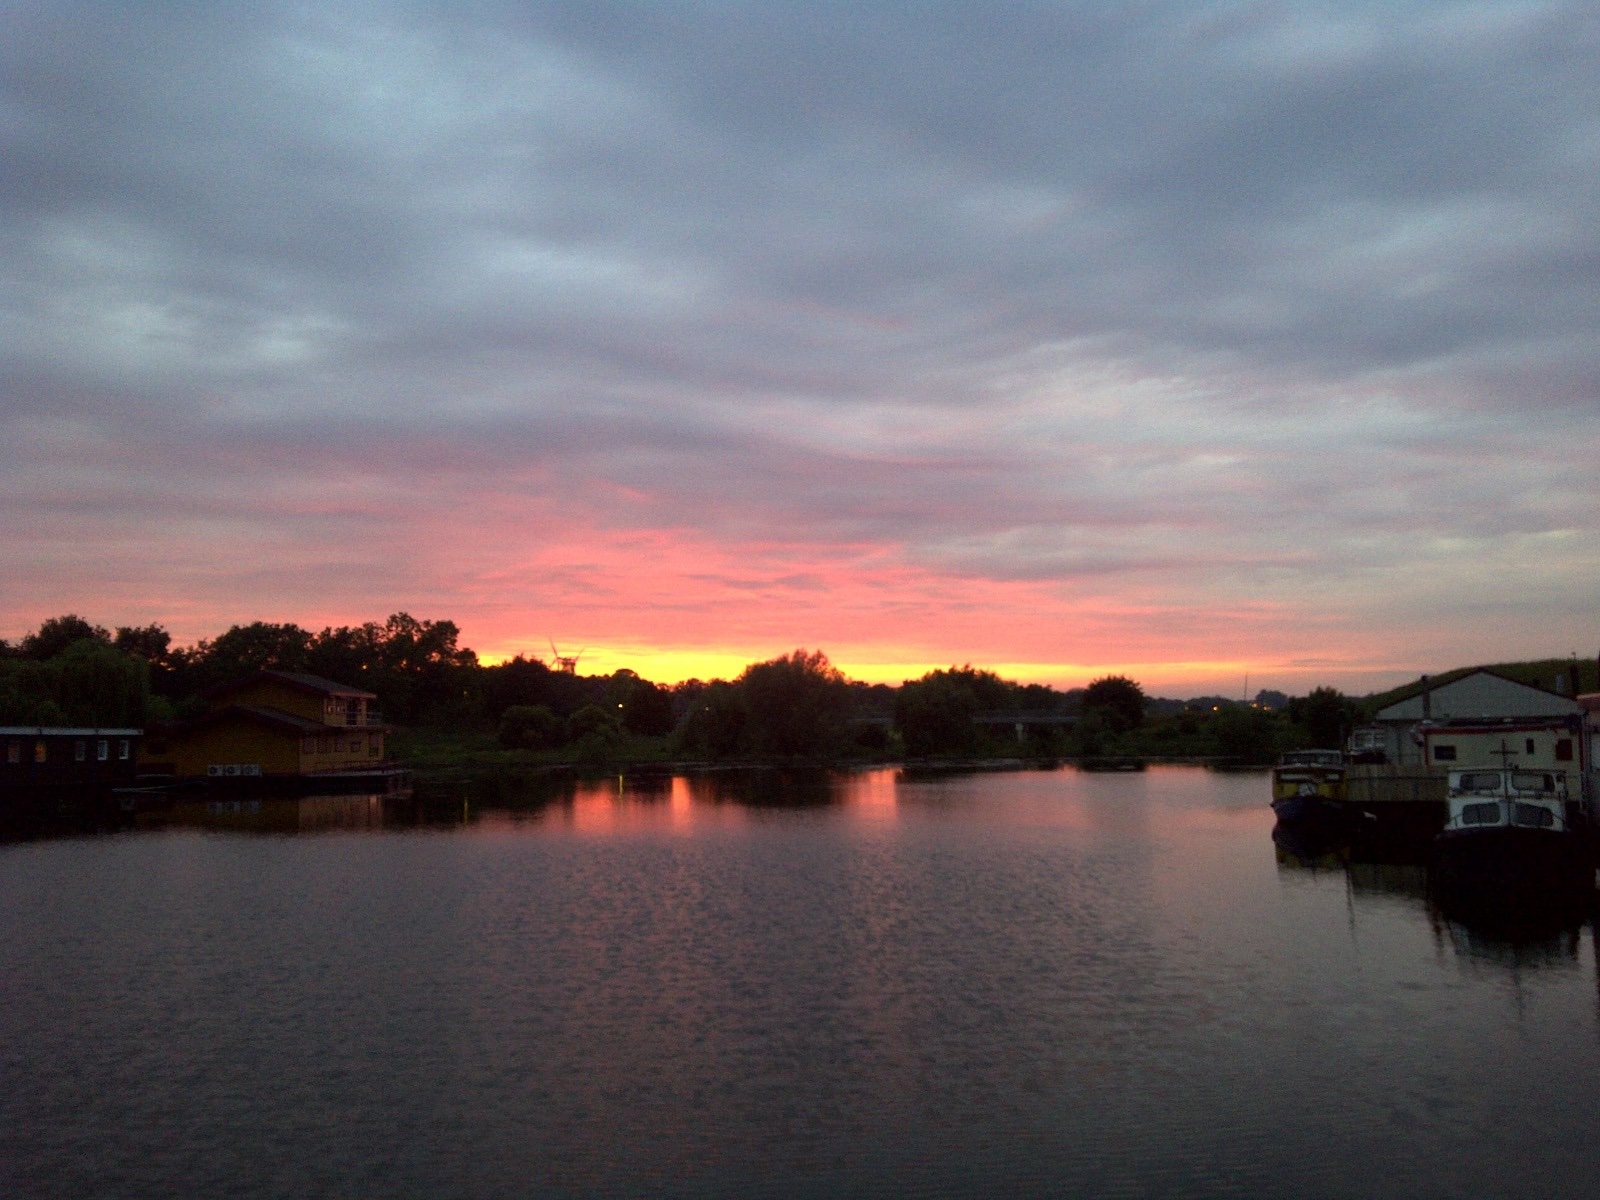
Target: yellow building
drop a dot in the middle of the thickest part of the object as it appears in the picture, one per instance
(274, 725)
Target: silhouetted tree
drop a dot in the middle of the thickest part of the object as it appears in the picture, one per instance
(798, 705)
(1325, 714)
(935, 714)
(100, 685)
(1245, 734)
(56, 634)
(245, 649)
(716, 721)
(646, 708)
(1118, 701)
(89, 683)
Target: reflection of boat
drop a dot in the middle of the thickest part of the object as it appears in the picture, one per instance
(1308, 789)
(1506, 843)
(1102, 763)
(1311, 842)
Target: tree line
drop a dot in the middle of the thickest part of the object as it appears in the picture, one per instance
(72, 672)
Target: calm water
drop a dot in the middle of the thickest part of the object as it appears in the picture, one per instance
(1038, 983)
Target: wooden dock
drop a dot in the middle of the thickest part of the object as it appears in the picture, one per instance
(1402, 805)
(1395, 783)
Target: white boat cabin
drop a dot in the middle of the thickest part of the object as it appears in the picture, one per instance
(1491, 799)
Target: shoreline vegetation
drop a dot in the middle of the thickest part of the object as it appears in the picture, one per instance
(450, 712)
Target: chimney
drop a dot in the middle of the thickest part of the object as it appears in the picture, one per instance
(1427, 700)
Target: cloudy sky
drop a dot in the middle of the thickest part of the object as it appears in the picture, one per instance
(1193, 341)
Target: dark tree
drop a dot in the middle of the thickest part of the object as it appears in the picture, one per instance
(245, 649)
(56, 634)
(798, 705)
(100, 685)
(716, 720)
(530, 727)
(645, 707)
(1118, 702)
(935, 713)
(1325, 714)
(1244, 734)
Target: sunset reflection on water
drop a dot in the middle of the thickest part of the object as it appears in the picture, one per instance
(730, 983)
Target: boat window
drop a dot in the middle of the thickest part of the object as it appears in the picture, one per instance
(1525, 781)
(1534, 816)
(1444, 754)
(1480, 814)
(1479, 781)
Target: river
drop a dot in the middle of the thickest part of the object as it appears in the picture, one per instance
(868, 984)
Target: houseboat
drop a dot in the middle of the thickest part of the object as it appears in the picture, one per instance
(1308, 790)
(1507, 842)
(48, 770)
(276, 731)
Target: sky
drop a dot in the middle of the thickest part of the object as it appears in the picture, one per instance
(1226, 346)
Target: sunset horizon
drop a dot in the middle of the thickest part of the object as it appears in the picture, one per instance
(1197, 343)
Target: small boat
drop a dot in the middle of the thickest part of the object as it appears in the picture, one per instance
(1308, 789)
(1507, 843)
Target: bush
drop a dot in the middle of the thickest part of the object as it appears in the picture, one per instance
(592, 719)
(529, 727)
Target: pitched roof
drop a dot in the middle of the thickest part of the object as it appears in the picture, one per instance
(314, 684)
(274, 718)
(1407, 704)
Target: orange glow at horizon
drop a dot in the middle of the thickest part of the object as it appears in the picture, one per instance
(877, 664)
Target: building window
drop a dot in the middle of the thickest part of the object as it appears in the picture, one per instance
(123, 750)
(374, 746)
(308, 744)
(80, 751)
(322, 745)
(13, 752)
(1563, 749)
(1444, 754)
(41, 751)
(102, 750)
(1528, 743)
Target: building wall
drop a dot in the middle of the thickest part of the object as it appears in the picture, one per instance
(32, 756)
(341, 750)
(1474, 697)
(1555, 748)
(232, 741)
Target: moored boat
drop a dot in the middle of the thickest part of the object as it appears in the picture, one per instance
(1507, 843)
(1308, 789)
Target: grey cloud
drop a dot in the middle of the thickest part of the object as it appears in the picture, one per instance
(672, 249)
